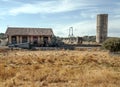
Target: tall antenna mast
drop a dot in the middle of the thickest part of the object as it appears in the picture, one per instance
(72, 31)
(71, 35)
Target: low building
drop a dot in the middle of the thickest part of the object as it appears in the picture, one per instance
(35, 36)
(72, 40)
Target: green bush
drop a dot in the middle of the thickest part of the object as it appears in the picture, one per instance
(2, 36)
(112, 44)
(56, 42)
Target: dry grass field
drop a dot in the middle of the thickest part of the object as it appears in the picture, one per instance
(63, 68)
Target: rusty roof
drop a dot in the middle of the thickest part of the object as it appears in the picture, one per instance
(28, 31)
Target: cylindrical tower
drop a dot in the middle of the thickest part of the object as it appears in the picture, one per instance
(102, 27)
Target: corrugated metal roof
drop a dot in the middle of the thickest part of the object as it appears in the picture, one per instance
(28, 31)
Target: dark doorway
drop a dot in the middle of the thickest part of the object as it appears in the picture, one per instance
(35, 40)
(45, 39)
(24, 39)
(14, 40)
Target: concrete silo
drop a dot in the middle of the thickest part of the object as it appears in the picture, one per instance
(102, 28)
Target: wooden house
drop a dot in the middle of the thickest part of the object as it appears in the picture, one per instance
(36, 36)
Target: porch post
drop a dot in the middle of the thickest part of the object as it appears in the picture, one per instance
(31, 38)
(17, 39)
(9, 39)
(28, 39)
(20, 39)
(49, 39)
(41, 39)
(38, 39)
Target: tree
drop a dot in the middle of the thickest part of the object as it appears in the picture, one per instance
(56, 42)
(112, 44)
(2, 36)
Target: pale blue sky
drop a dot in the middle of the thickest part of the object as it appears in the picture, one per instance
(60, 15)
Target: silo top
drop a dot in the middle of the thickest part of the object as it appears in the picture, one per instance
(102, 15)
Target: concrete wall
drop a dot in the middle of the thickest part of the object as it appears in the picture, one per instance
(72, 40)
(3, 42)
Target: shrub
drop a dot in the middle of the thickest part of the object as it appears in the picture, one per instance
(112, 44)
(2, 36)
(56, 42)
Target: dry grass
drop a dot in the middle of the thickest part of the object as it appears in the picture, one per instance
(59, 69)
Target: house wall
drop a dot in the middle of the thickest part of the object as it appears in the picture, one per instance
(30, 39)
(9, 39)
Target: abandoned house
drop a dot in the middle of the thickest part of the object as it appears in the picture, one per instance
(35, 36)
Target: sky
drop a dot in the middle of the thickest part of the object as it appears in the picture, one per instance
(60, 15)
